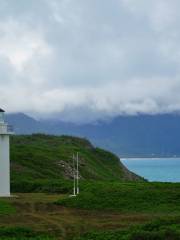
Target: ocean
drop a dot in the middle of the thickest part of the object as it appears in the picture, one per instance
(155, 169)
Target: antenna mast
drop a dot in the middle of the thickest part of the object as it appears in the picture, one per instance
(74, 175)
(77, 177)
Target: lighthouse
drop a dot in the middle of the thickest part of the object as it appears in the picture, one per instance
(5, 132)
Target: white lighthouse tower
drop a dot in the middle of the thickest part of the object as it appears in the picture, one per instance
(5, 132)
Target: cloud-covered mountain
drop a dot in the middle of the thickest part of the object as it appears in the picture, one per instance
(141, 135)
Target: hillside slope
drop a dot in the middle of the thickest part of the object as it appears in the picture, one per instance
(41, 156)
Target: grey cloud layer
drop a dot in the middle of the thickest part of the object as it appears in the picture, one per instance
(89, 59)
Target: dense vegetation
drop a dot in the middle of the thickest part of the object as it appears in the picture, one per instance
(41, 162)
(156, 230)
(160, 229)
(127, 197)
(6, 208)
(21, 233)
(102, 211)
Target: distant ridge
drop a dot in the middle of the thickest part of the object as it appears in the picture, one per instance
(128, 136)
(23, 124)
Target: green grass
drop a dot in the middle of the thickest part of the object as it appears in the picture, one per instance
(155, 230)
(41, 168)
(127, 197)
(98, 215)
(39, 161)
(6, 208)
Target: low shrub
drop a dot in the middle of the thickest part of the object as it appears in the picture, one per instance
(47, 186)
(6, 208)
(156, 230)
(22, 233)
(126, 197)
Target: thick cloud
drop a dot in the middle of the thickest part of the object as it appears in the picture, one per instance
(83, 60)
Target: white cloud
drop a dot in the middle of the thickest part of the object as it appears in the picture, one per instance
(19, 44)
(104, 57)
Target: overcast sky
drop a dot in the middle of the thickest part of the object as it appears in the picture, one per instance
(88, 59)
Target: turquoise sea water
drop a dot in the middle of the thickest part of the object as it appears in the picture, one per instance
(159, 169)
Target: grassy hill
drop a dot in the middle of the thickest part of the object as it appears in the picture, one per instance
(109, 208)
(41, 157)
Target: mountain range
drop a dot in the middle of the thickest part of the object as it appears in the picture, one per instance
(128, 136)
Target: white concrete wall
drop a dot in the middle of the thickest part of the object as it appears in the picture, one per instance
(4, 166)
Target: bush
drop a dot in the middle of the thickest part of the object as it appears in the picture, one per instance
(21, 233)
(156, 230)
(126, 197)
(50, 186)
(6, 208)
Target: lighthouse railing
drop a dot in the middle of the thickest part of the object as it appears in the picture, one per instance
(6, 129)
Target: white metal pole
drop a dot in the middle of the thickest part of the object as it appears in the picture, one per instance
(77, 173)
(74, 175)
